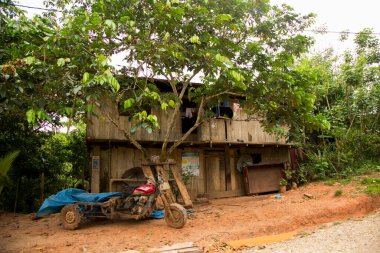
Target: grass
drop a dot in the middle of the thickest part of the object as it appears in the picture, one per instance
(369, 177)
(338, 193)
(373, 186)
(333, 181)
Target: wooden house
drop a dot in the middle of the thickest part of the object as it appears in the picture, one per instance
(210, 158)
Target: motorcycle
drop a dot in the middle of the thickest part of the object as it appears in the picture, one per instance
(134, 203)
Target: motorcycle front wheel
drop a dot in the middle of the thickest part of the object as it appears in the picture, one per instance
(179, 218)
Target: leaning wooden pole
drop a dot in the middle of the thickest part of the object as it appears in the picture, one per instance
(159, 167)
(181, 186)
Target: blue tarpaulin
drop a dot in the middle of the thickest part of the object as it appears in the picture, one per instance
(159, 214)
(56, 202)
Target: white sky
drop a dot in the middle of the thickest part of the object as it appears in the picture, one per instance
(336, 15)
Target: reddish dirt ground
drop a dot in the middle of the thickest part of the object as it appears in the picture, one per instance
(212, 224)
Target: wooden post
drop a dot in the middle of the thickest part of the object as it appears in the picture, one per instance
(148, 172)
(228, 168)
(95, 170)
(169, 194)
(147, 169)
(181, 186)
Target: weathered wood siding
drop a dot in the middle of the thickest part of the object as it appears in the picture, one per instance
(218, 176)
(237, 129)
(99, 126)
(269, 155)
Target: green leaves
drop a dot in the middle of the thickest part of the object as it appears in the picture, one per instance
(223, 59)
(172, 103)
(110, 24)
(102, 60)
(164, 106)
(86, 77)
(195, 40)
(30, 60)
(62, 61)
(5, 166)
(166, 36)
(223, 17)
(113, 83)
(129, 103)
(31, 116)
(145, 121)
(237, 76)
(105, 78)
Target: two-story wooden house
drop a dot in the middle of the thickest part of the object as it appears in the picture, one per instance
(211, 158)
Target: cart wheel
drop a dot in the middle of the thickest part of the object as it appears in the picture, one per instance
(71, 217)
(179, 216)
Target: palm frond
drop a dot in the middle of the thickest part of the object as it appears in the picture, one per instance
(5, 165)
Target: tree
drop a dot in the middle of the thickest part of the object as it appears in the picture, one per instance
(235, 48)
(347, 95)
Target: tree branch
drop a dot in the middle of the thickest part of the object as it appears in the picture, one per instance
(197, 123)
(126, 133)
(223, 93)
(171, 122)
(192, 76)
(172, 85)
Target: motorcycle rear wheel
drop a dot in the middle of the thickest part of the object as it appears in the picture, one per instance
(71, 217)
(179, 216)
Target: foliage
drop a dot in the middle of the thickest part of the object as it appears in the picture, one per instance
(5, 165)
(303, 175)
(283, 182)
(373, 185)
(186, 176)
(332, 181)
(288, 174)
(347, 95)
(41, 69)
(59, 160)
(338, 193)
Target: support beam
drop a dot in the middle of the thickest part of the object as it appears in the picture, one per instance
(181, 186)
(95, 170)
(165, 176)
(228, 168)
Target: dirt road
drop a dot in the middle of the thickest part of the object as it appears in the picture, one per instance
(359, 235)
(209, 227)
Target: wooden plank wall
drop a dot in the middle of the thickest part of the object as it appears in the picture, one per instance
(116, 160)
(99, 127)
(212, 179)
(269, 155)
(196, 184)
(212, 130)
(236, 176)
(237, 129)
